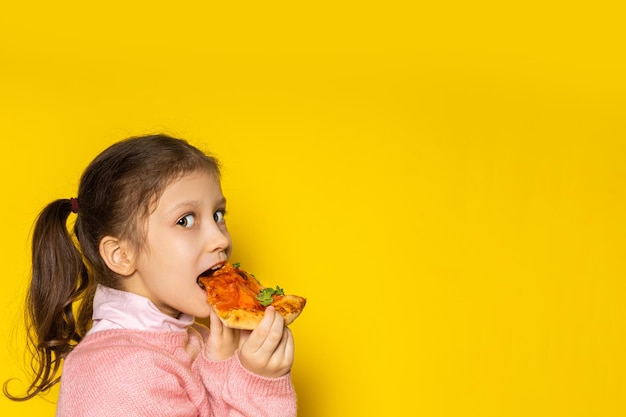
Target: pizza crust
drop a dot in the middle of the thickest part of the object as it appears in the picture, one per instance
(288, 306)
(239, 318)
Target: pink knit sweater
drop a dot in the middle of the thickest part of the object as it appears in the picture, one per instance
(118, 371)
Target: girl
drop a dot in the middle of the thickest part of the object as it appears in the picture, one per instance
(149, 221)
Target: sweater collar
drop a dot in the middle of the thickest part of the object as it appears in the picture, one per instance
(115, 309)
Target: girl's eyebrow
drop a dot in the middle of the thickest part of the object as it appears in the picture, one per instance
(191, 203)
(186, 203)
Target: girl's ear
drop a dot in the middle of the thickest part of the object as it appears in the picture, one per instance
(117, 255)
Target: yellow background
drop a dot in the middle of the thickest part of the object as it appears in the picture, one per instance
(444, 181)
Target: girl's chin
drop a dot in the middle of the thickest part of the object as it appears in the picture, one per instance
(203, 316)
(197, 306)
(202, 310)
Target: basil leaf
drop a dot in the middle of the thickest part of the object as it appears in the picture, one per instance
(265, 296)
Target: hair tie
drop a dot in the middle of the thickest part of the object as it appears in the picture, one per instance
(74, 202)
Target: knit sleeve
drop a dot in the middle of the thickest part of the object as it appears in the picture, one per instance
(236, 392)
(122, 381)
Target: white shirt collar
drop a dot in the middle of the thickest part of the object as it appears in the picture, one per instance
(115, 309)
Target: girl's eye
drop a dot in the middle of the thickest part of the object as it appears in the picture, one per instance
(186, 221)
(218, 216)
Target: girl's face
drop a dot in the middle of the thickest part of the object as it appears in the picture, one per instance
(186, 236)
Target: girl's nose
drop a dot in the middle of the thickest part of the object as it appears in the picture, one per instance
(218, 239)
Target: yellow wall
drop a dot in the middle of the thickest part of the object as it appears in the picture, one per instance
(444, 183)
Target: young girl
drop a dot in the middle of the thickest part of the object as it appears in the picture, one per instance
(149, 221)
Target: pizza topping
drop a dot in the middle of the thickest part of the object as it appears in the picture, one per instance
(265, 296)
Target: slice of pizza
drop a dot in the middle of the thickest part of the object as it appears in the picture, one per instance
(240, 300)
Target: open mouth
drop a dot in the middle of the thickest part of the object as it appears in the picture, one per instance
(200, 284)
(207, 274)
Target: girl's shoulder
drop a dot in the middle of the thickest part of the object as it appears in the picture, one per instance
(121, 344)
(130, 366)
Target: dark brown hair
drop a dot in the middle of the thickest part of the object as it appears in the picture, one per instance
(117, 192)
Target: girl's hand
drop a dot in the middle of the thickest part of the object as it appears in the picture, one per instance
(268, 349)
(223, 341)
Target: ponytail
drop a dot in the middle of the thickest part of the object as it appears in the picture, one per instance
(59, 279)
(117, 191)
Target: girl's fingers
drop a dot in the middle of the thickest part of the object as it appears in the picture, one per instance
(268, 349)
(214, 322)
(270, 332)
